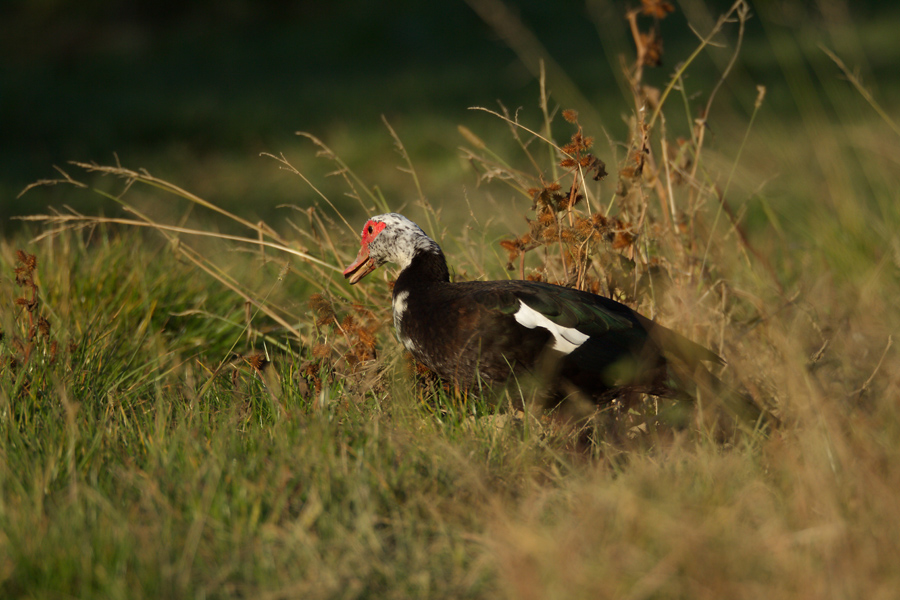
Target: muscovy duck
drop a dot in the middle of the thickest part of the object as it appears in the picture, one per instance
(488, 330)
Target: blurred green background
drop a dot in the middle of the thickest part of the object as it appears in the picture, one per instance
(195, 91)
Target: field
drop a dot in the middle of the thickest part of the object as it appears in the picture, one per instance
(194, 403)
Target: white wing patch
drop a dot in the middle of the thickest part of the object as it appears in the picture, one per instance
(565, 339)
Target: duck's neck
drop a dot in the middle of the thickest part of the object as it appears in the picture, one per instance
(426, 266)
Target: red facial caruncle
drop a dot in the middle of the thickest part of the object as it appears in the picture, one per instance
(364, 264)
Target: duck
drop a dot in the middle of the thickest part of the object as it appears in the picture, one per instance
(476, 333)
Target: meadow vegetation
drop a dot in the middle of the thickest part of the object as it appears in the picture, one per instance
(199, 406)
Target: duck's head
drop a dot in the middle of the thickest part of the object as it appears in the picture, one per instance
(390, 238)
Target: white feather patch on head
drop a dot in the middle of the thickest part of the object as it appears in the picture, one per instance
(400, 240)
(565, 339)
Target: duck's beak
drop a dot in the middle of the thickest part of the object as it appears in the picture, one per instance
(362, 266)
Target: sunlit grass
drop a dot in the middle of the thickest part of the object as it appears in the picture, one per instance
(204, 415)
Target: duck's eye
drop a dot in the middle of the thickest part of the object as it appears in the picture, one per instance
(369, 230)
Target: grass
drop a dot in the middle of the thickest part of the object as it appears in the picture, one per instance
(199, 416)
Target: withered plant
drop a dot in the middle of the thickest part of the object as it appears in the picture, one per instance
(30, 339)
